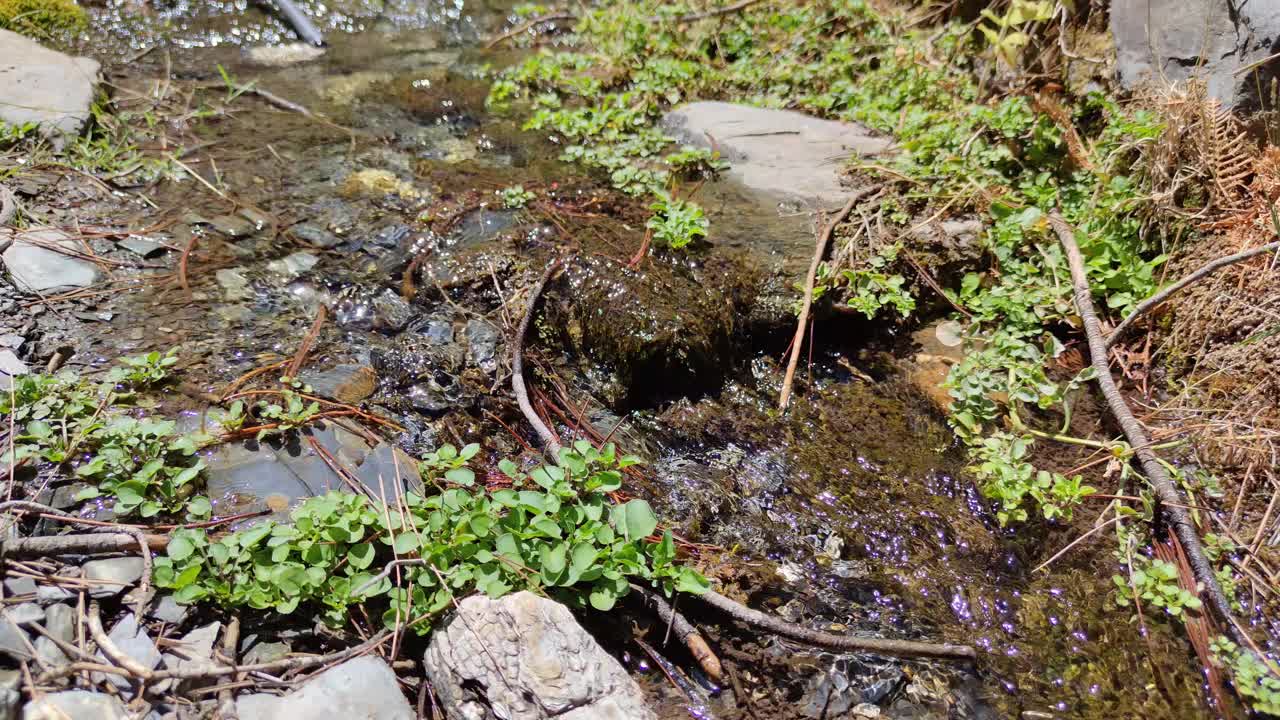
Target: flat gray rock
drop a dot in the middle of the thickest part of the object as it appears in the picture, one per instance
(109, 577)
(134, 642)
(363, 688)
(166, 609)
(1174, 40)
(195, 650)
(43, 86)
(38, 269)
(10, 367)
(549, 666)
(12, 641)
(139, 245)
(74, 705)
(59, 620)
(780, 152)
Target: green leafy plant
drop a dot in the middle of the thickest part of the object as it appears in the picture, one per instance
(676, 223)
(871, 288)
(515, 197)
(143, 370)
(144, 464)
(449, 464)
(1005, 475)
(554, 531)
(1155, 583)
(1257, 682)
(1007, 32)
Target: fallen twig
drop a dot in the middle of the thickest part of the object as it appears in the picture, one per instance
(550, 443)
(79, 544)
(878, 646)
(824, 238)
(1164, 294)
(684, 630)
(1167, 494)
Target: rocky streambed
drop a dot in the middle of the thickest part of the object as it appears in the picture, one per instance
(372, 230)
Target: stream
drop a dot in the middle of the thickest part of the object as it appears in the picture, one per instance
(852, 512)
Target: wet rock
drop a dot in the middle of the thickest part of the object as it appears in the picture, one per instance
(547, 665)
(132, 640)
(364, 688)
(59, 620)
(234, 284)
(412, 358)
(391, 235)
(166, 609)
(45, 86)
(377, 183)
(142, 246)
(431, 397)
(39, 269)
(781, 152)
(293, 265)
(1173, 40)
(438, 332)
(278, 56)
(483, 225)
(10, 367)
(233, 226)
(659, 334)
(390, 312)
(345, 383)
(75, 705)
(846, 685)
(108, 577)
(315, 235)
(482, 345)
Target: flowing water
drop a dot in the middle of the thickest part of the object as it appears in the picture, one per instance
(853, 510)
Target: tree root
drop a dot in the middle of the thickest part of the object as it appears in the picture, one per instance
(684, 630)
(1171, 504)
(1205, 270)
(824, 239)
(550, 443)
(817, 638)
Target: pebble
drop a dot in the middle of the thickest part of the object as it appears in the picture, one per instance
(364, 688)
(482, 344)
(235, 286)
(315, 235)
(109, 577)
(293, 265)
(267, 652)
(12, 641)
(195, 650)
(59, 620)
(20, 586)
(139, 245)
(74, 705)
(10, 367)
(233, 226)
(168, 610)
(282, 55)
(26, 613)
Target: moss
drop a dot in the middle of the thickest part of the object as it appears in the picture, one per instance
(40, 18)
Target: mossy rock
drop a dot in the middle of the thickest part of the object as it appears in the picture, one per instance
(41, 18)
(663, 332)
